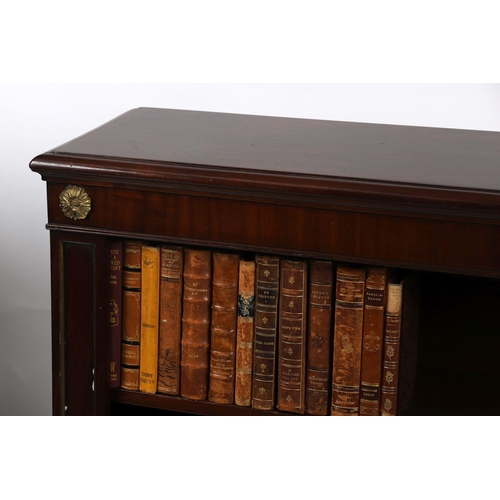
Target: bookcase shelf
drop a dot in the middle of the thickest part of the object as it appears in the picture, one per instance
(415, 198)
(184, 405)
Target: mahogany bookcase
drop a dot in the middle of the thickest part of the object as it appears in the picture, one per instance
(399, 196)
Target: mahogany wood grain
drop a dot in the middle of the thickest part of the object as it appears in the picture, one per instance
(396, 240)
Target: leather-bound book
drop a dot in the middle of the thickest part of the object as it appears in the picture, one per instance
(319, 337)
(266, 321)
(150, 307)
(131, 318)
(347, 339)
(245, 333)
(399, 367)
(292, 336)
(169, 344)
(195, 339)
(115, 311)
(223, 327)
(373, 335)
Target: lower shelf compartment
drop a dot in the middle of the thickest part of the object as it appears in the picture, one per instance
(458, 358)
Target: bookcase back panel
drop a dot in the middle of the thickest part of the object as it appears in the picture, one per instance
(260, 225)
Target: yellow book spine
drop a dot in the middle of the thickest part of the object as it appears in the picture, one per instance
(150, 290)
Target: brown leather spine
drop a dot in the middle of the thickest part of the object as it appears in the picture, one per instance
(150, 308)
(245, 333)
(195, 339)
(373, 336)
(169, 349)
(131, 331)
(266, 321)
(223, 327)
(400, 345)
(347, 340)
(392, 336)
(292, 336)
(319, 337)
(115, 310)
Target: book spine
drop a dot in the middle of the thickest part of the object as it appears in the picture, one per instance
(347, 340)
(150, 301)
(245, 333)
(319, 337)
(223, 327)
(169, 345)
(266, 315)
(392, 337)
(292, 336)
(195, 338)
(373, 334)
(115, 311)
(131, 331)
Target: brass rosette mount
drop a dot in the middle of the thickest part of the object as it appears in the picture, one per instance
(75, 203)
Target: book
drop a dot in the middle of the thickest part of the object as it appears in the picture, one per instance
(347, 339)
(169, 343)
(131, 318)
(223, 327)
(245, 333)
(319, 337)
(196, 317)
(373, 336)
(292, 336)
(399, 366)
(150, 303)
(115, 310)
(266, 321)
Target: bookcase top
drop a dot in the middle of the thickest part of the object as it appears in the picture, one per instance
(449, 158)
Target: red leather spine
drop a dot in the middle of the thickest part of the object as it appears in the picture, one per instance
(223, 327)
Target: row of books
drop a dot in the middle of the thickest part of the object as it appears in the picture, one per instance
(300, 335)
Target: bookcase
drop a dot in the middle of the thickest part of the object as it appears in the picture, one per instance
(416, 198)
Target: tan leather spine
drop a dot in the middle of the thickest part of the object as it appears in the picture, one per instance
(399, 369)
(195, 338)
(392, 336)
(266, 321)
(245, 333)
(169, 345)
(150, 307)
(131, 315)
(223, 327)
(347, 340)
(319, 337)
(373, 336)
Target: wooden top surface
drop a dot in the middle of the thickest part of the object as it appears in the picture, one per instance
(388, 153)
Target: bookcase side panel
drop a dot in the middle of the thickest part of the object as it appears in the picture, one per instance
(79, 325)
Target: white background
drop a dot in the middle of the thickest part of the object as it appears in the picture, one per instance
(47, 47)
